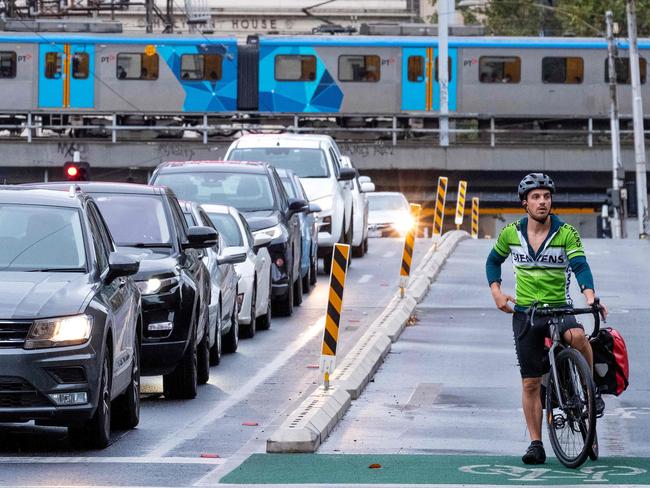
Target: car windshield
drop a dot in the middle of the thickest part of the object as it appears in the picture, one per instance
(244, 191)
(227, 225)
(387, 202)
(41, 238)
(135, 220)
(291, 192)
(305, 162)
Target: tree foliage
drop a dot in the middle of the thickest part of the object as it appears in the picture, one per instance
(583, 18)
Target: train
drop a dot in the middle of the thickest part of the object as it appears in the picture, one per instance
(73, 73)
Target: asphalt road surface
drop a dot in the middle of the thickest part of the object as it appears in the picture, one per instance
(185, 443)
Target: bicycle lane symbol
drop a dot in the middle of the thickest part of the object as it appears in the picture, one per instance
(589, 474)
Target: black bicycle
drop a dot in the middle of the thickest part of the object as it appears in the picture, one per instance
(570, 393)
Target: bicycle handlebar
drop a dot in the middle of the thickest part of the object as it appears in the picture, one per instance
(559, 312)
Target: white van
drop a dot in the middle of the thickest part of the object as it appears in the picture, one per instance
(316, 160)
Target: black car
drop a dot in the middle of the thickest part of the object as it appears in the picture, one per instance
(147, 224)
(70, 317)
(255, 189)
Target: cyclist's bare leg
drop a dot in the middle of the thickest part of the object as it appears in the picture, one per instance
(578, 340)
(532, 407)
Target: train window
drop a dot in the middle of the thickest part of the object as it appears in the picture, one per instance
(499, 69)
(53, 65)
(295, 68)
(201, 67)
(137, 66)
(7, 64)
(563, 70)
(80, 66)
(354, 67)
(448, 68)
(623, 74)
(416, 68)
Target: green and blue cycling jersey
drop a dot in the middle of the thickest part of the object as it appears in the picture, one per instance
(545, 276)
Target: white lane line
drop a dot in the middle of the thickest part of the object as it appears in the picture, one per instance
(193, 429)
(109, 460)
(365, 278)
(388, 254)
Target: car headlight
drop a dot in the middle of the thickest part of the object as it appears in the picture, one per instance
(154, 285)
(61, 331)
(272, 232)
(405, 224)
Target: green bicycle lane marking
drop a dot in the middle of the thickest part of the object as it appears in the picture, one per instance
(427, 469)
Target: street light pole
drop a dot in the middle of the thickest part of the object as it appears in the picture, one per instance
(637, 113)
(617, 169)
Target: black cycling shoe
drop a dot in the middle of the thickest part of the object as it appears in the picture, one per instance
(535, 453)
(600, 404)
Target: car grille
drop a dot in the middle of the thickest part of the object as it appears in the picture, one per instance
(68, 375)
(14, 333)
(17, 393)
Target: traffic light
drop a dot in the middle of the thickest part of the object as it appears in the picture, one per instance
(76, 171)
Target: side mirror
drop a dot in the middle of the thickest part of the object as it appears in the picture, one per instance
(347, 174)
(297, 205)
(365, 179)
(120, 265)
(367, 187)
(200, 237)
(231, 256)
(313, 208)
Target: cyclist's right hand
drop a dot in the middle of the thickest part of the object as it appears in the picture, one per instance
(501, 300)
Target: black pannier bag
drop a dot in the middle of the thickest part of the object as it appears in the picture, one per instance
(611, 366)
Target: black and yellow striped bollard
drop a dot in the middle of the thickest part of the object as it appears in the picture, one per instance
(409, 243)
(334, 308)
(439, 214)
(475, 218)
(460, 204)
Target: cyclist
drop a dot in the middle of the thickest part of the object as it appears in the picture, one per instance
(544, 251)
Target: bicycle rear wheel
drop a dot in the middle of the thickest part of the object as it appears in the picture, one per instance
(572, 428)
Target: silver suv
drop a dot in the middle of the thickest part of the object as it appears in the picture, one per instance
(317, 161)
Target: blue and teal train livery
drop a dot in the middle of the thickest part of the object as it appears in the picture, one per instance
(351, 75)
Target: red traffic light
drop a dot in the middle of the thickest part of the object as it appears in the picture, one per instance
(73, 171)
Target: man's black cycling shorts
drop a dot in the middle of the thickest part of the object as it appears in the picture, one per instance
(530, 348)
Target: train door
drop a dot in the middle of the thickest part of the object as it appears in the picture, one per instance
(66, 76)
(420, 85)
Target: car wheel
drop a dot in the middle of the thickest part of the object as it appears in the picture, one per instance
(297, 291)
(203, 353)
(249, 330)
(365, 245)
(327, 263)
(126, 411)
(357, 251)
(284, 306)
(264, 321)
(182, 383)
(96, 432)
(215, 350)
(231, 340)
(313, 270)
(306, 280)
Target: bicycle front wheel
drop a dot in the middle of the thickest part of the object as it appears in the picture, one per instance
(573, 427)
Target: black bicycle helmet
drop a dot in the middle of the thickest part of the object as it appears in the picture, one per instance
(534, 181)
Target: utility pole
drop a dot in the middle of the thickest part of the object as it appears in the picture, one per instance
(617, 168)
(446, 8)
(637, 113)
(148, 15)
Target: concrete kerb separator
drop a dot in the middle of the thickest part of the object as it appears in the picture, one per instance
(310, 424)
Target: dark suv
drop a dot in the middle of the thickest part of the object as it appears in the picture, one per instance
(147, 223)
(255, 189)
(70, 318)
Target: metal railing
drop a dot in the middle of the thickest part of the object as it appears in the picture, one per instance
(399, 129)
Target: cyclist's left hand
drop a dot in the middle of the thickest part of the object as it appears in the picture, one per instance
(603, 308)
